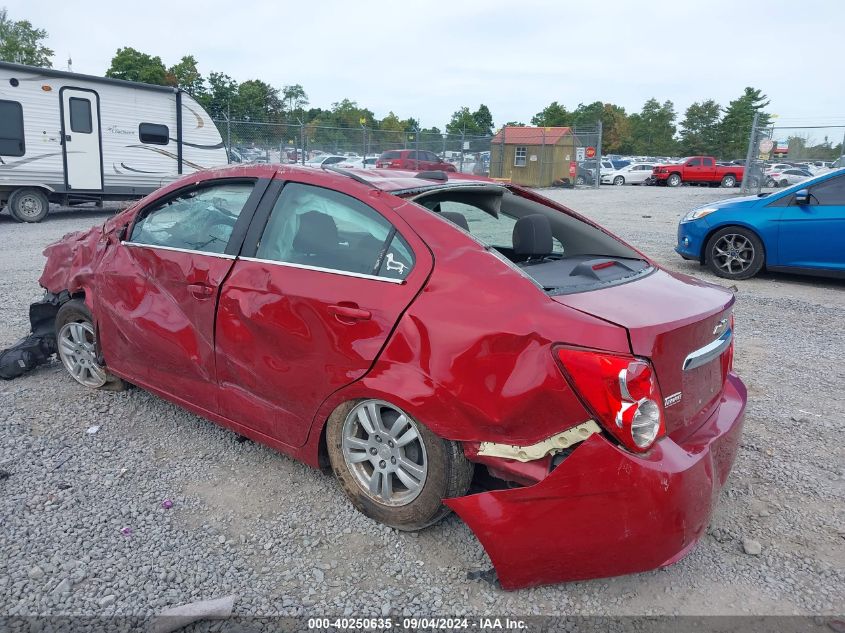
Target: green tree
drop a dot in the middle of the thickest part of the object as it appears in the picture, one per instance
(257, 101)
(700, 128)
(514, 124)
(219, 99)
(616, 129)
(653, 129)
(735, 128)
(483, 120)
(21, 43)
(478, 123)
(186, 76)
(133, 65)
(553, 115)
(295, 99)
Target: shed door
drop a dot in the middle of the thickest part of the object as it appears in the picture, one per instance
(81, 134)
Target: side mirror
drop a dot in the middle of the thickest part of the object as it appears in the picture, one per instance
(802, 197)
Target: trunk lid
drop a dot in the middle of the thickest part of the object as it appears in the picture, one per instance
(669, 316)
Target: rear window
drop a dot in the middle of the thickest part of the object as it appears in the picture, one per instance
(390, 155)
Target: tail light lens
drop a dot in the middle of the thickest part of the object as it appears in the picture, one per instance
(621, 391)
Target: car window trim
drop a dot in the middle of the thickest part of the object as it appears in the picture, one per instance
(177, 250)
(239, 230)
(320, 269)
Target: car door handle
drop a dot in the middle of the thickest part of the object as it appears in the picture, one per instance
(200, 291)
(349, 313)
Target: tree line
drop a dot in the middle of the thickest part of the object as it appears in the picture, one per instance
(706, 127)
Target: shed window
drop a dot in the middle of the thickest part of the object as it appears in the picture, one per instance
(11, 129)
(154, 134)
(520, 157)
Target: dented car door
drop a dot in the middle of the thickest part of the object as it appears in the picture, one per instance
(157, 289)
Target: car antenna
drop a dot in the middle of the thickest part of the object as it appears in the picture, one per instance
(349, 174)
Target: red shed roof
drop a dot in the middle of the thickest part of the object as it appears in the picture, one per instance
(520, 135)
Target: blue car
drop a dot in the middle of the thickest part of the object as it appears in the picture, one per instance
(800, 229)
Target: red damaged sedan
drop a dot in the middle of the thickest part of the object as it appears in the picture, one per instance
(441, 341)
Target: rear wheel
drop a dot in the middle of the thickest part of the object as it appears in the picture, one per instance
(771, 182)
(735, 253)
(393, 468)
(729, 181)
(619, 180)
(76, 339)
(580, 180)
(674, 180)
(28, 205)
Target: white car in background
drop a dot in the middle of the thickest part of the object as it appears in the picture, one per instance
(325, 159)
(368, 162)
(633, 174)
(791, 176)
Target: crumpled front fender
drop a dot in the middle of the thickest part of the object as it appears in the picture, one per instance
(606, 512)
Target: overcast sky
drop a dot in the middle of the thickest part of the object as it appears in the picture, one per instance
(426, 59)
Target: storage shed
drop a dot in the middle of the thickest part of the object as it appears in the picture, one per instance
(533, 156)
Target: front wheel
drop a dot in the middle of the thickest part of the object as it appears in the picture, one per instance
(784, 183)
(729, 181)
(619, 181)
(735, 253)
(392, 467)
(580, 180)
(674, 180)
(76, 339)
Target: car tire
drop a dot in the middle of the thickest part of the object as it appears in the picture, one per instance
(771, 183)
(361, 460)
(28, 205)
(619, 181)
(76, 341)
(674, 180)
(734, 252)
(580, 180)
(728, 181)
(783, 183)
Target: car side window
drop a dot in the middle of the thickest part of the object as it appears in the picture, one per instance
(695, 162)
(829, 192)
(321, 228)
(708, 162)
(201, 219)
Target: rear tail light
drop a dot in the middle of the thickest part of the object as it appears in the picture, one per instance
(620, 391)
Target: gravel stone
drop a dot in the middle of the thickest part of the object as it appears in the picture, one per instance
(752, 547)
(280, 521)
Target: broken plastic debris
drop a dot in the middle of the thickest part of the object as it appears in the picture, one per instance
(176, 618)
(126, 531)
(92, 429)
(487, 575)
(167, 504)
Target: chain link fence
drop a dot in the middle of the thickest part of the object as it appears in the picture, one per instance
(298, 142)
(531, 156)
(784, 154)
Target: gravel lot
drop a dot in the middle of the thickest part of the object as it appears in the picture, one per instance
(282, 536)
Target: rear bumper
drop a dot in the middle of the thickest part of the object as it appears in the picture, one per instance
(605, 512)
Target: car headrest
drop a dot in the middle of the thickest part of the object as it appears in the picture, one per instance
(532, 235)
(317, 233)
(456, 218)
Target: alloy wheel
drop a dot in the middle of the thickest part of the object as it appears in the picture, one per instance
(733, 253)
(384, 451)
(77, 349)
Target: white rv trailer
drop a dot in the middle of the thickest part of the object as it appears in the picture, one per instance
(72, 138)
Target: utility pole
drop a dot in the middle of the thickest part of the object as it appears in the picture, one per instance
(752, 146)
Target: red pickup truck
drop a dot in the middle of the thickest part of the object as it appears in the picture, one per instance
(697, 170)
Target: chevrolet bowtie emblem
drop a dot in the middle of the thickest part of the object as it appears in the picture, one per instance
(721, 326)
